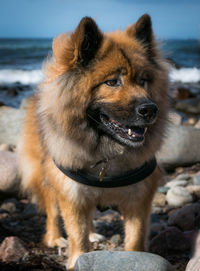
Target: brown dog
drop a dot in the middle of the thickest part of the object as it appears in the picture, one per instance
(101, 111)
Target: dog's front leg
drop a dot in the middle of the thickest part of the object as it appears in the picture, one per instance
(77, 219)
(136, 228)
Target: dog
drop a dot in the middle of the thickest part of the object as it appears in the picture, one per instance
(94, 124)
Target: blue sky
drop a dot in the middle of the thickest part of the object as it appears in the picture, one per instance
(47, 18)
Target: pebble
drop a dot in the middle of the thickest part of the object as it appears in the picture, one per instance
(12, 249)
(177, 196)
(118, 261)
(194, 189)
(183, 176)
(29, 211)
(116, 239)
(187, 218)
(176, 182)
(196, 179)
(159, 200)
(10, 205)
(163, 189)
(175, 118)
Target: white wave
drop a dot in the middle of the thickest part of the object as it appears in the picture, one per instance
(21, 76)
(185, 75)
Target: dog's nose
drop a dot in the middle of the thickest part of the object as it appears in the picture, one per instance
(147, 111)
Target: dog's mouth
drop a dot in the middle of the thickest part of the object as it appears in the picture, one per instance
(129, 135)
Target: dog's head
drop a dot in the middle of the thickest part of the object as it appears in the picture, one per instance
(110, 85)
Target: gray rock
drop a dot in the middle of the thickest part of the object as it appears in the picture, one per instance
(187, 218)
(9, 174)
(180, 147)
(162, 189)
(191, 105)
(118, 261)
(196, 179)
(176, 182)
(193, 264)
(177, 196)
(171, 239)
(183, 176)
(11, 120)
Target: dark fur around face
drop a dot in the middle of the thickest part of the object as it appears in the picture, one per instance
(105, 88)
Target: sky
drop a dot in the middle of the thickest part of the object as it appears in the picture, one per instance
(179, 19)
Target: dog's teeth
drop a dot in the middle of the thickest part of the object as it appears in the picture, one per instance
(129, 132)
(145, 129)
(133, 135)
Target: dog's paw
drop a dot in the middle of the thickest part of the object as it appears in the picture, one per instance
(96, 237)
(59, 242)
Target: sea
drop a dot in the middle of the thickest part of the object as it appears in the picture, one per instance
(21, 61)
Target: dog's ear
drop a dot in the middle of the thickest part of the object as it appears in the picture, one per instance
(86, 39)
(142, 31)
(78, 48)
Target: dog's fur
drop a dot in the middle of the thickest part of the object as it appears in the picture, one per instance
(62, 124)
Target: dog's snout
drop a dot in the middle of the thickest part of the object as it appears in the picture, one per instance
(147, 111)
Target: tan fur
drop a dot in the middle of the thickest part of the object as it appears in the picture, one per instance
(56, 128)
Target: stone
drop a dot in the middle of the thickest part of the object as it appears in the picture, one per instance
(12, 249)
(11, 120)
(194, 190)
(159, 200)
(155, 228)
(176, 182)
(162, 189)
(9, 172)
(177, 196)
(174, 118)
(182, 93)
(169, 239)
(121, 260)
(197, 124)
(6, 147)
(183, 176)
(29, 211)
(11, 205)
(189, 106)
(196, 179)
(180, 147)
(187, 218)
(116, 239)
(193, 264)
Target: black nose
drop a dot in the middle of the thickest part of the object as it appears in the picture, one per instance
(147, 111)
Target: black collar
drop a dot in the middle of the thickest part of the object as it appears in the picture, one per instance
(127, 178)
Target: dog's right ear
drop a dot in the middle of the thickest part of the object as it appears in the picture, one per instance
(80, 47)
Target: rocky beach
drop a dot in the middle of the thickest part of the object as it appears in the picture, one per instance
(175, 218)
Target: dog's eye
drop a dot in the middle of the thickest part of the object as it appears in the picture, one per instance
(143, 83)
(114, 82)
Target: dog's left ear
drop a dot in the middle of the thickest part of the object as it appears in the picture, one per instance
(87, 39)
(142, 31)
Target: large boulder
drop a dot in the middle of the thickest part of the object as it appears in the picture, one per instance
(11, 120)
(180, 147)
(9, 173)
(121, 260)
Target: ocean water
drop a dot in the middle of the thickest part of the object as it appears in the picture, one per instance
(21, 60)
